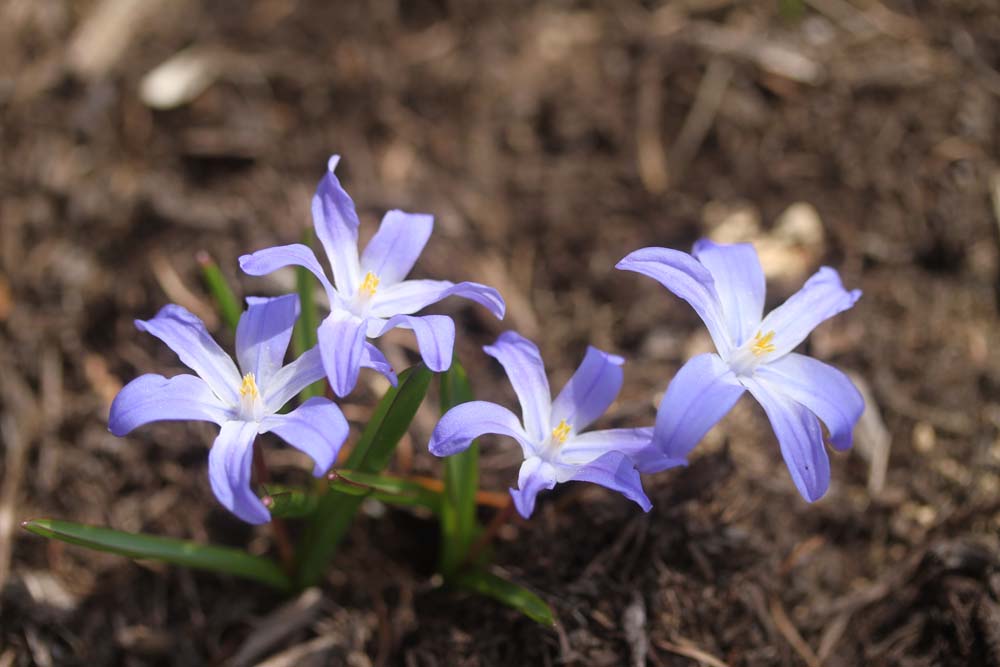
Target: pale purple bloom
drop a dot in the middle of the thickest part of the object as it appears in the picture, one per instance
(549, 432)
(725, 285)
(243, 400)
(369, 296)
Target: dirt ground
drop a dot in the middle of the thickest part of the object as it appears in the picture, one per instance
(549, 140)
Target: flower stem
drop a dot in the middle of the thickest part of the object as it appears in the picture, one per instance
(281, 539)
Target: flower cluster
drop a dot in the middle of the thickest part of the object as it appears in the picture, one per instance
(370, 295)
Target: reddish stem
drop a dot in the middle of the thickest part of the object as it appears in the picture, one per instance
(499, 520)
(281, 537)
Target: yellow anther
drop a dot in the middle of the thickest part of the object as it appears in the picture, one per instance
(561, 432)
(249, 386)
(369, 285)
(763, 344)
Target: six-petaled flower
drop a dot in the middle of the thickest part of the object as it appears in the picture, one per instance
(549, 432)
(244, 401)
(725, 285)
(369, 294)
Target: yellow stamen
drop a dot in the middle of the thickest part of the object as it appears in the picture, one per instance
(762, 344)
(249, 386)
(561, 432)
(369, 285)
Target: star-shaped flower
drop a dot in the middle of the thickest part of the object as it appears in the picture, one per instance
(725, 286)
(555, 449)
(244, 401)
(369, 295)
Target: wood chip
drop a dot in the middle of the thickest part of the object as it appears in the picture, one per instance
(689, 650)
(105, 34)
(180, 79)
(294, 657)
(791, 634)
(634, 624)
(278, 625)
(769, 54)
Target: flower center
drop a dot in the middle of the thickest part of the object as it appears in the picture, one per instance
(561, 432)
(754, 352)
(762, 344)
(369, 285)
(251, 405)
(249, 387)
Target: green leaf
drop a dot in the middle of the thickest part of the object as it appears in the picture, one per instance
(506, 592)
(288, 502)
(227, 303)
(388, 489)
(372, 454)
(791, 10)
(178, 552)
(461, 480)
(304, 337)
(390, 421)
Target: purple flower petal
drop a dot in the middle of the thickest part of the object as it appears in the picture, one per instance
(230, 463)
(535, 475)
(336, 224)
(614, 471)
(186, 335)
(590, 391)
(293, 378)
(317, 427)
(397, 244)
(342, 345)
(373, 358)
(435, 337)
(151, 398)
(263, 334)
(270, 260)
(822, 297)
(465, 422)
(683, 275)
(635, 443)
(410, 296)
(701, 394)
(523, 364)
(739, 282)
(799, 435)
(821, 388)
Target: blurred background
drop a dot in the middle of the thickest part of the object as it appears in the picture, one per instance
(549, 140)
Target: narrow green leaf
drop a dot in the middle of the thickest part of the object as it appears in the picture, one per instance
(333, 516)
(225, 300)
(461, 480)
(390, 420)
(388, 489)
(304, 337)
(177, 552)
(506, 592)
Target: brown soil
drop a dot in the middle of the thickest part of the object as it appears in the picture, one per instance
(549, 140)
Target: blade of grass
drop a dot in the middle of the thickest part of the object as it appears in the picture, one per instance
(153, 547)
(461, 480)
(506, 592)
(333, 516)
(225, 300)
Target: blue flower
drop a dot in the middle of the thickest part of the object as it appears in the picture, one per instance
(369, 296)
(725, 285)
(554, 448)
(243, 401)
